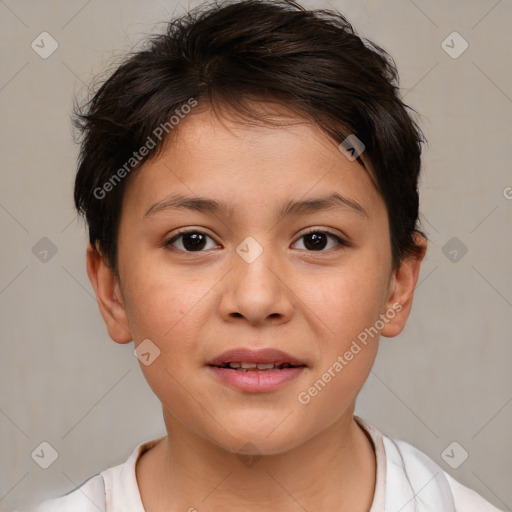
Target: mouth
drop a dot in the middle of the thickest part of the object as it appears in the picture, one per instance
(263, 359)
(254, 367)
(256, 370)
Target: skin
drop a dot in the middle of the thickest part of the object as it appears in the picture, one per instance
(310, 303)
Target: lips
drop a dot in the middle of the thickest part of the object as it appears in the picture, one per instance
(244, 359)
(256, 370)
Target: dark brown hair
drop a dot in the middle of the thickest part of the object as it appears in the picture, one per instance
(234, 54)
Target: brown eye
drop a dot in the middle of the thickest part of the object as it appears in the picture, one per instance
(315, 241)
(319, 240)
(190, 241)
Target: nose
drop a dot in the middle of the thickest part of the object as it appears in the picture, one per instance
(257, 291)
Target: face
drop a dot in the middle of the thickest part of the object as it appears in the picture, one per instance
(239, 241)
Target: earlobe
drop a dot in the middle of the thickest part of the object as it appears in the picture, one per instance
(108, 296)
(402, 286)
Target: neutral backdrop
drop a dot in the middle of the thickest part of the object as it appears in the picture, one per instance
(445, 379)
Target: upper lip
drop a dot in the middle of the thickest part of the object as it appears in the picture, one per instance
(253, 355)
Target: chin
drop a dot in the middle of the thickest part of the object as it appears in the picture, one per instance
(255, 438)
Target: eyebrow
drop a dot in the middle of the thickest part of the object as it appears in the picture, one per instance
(301, 207)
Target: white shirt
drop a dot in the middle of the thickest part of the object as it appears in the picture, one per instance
(407, 480)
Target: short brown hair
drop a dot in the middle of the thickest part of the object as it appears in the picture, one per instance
(228, 54)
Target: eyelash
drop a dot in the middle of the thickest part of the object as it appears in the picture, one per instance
(180, 233)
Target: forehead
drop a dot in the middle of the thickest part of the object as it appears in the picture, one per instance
(250, 164)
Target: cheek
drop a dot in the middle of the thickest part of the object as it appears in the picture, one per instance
(163, 304)
(168, 307)
(347, 300)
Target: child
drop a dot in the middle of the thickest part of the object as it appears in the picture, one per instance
(250, 185)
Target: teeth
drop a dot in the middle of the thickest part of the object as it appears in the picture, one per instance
(259, 366)
(265, 366)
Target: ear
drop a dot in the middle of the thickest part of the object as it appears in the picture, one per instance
(108, 295)
(401, 290)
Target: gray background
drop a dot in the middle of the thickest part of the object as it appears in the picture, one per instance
(446, 378)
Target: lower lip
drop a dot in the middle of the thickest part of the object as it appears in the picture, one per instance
(258, 381)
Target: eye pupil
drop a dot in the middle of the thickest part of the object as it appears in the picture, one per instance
(315, 241)
(193, 241)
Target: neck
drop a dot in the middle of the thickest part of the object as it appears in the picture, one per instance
(334, 470)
